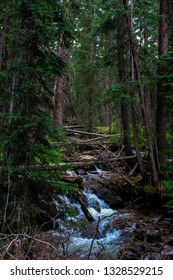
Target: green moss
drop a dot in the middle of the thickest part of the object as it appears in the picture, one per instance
(150, 190)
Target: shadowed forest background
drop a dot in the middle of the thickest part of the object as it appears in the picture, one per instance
(85, 86)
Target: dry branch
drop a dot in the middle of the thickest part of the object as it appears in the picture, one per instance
(114, 168)
(89, 133)
(83, 142)
(58, 166)
(95, 162)
(74, 126)
(85, 210)
(72, 179)
(133, 170)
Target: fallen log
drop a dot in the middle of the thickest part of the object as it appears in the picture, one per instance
(114, 168)
(85, 210)
(73, 131)
(72, 179)
(59, 166)
(74, 126)
(96, 162)
(84, 142)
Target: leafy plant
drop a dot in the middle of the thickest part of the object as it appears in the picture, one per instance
(169, 192)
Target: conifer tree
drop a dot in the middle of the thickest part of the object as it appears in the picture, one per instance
(27, 81)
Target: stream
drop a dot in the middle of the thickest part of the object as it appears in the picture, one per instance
(123, 233)
(97, 239)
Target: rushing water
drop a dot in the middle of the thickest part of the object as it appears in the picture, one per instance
(126, 233)
(92, 240)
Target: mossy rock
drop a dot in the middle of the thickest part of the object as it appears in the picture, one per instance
(150, 190)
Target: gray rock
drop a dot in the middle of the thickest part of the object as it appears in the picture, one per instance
(109, 197)
(80, 172)
(153, 236)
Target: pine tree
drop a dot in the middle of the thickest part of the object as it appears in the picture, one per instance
(27, 126)
(84, 87)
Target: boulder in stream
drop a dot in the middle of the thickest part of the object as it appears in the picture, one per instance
(114, 201)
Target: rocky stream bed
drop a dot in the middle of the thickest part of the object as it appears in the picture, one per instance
(126, 223)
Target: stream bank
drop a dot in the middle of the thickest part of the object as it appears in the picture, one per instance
(127, 224)
(130, 221)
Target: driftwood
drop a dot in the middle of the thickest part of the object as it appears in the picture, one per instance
(74, 126)
(84, 142)
(73, 131)
(96, 162)
(59, 166)
(72, 179)
(114, 168)
(85, 209)
(133, 170)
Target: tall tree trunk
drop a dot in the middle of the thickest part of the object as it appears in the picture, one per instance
(104, 109)
(91, 77)
(61, 84)
(161, 99)
(3, 31)
(154, 174)
(3, 51)
(121, 33)
(136, 140)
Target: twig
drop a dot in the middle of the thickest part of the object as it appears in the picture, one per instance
(92, 242)
(7, 201)
(114, 168)
(65, 250)
(133, 170)
(96, 232)
(16, 236)
(8, 247)
(122, 148)
(101, 250)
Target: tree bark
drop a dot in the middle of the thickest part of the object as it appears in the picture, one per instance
(161, 90)
(104, 109)
(59, 166)
(61, 84)
(91, 76)
(121, 32)
(85, 209)
(73, 131)
(3, 52)
(3, 31)
(154, 174)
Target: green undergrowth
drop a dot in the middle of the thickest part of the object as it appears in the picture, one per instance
(168, 184)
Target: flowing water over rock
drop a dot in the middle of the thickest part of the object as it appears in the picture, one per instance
(124, 233)
(99, 239)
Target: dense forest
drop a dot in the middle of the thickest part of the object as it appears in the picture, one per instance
(86, 103)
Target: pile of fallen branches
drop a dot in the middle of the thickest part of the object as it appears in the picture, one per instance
(28, 247)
